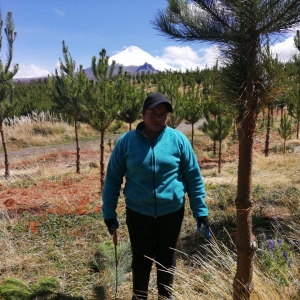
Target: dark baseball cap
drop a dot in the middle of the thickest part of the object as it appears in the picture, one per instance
(155, 99)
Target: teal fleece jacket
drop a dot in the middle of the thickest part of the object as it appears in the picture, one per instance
(157, 175)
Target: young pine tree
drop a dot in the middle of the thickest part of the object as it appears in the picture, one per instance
(68, 91)
(193, 106)
(103, 99)
(170, 86)
(285, 130)
(217, 128)
(6, 80)
(131, 106)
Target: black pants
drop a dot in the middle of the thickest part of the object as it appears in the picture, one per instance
(153, 238)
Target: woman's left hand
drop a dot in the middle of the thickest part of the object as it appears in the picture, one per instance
(203, 220)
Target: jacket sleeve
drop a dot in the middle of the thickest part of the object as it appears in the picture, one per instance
(113, 181)
(193, 180)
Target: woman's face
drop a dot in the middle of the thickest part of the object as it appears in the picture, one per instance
(156, 118)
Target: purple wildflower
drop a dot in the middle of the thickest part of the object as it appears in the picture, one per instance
(285, 255)
(279, 242)
(271, 245)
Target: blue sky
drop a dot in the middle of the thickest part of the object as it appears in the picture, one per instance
(88, 26)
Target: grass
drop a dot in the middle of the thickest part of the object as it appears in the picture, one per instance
(51, 225)
(38, 130)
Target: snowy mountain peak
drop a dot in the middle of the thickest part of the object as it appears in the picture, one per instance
(130, 48)
(134, 56)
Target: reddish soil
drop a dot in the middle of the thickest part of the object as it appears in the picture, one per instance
(75, 193)
(72, 193)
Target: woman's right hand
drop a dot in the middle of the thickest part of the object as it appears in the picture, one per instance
(110, 223)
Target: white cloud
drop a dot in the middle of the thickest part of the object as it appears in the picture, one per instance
(31, 71)
(58, 12)
(285, 49)
(186, 58)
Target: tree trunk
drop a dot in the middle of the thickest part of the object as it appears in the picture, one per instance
(267, 143)
(77, 146)
(245, 243)
(193, 135)
(102, 173)
(220, 156)
(298, 128)
(6, 163)
(215, 148)
(272, 116)
(234, 131)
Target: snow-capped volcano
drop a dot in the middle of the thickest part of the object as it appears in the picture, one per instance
(134, 56)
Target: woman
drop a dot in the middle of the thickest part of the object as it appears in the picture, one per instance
(160, 166)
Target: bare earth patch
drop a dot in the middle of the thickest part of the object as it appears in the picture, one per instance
(53, 186)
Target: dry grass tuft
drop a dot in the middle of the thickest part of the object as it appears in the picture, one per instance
(40, 130)
(211, 276)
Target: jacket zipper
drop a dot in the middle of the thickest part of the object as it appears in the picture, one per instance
(153, 178)
(153, 173)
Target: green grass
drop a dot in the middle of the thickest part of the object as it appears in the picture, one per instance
(57, 246)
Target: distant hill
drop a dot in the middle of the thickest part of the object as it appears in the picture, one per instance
(133, 60)
(146, 68)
